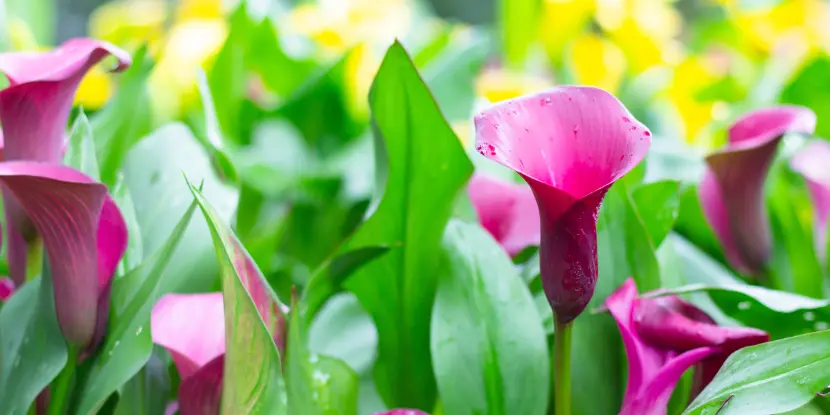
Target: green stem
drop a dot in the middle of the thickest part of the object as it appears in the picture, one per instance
(561, 369)
(62, 388)
(34, 258)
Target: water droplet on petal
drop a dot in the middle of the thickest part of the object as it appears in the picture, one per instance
(744, 305)
(809, 316)
(647, 133)
(626, 119)
(546, 101)
(821, 326)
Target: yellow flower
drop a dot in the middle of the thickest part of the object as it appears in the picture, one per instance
(130, 23)
(646, 30)
(691, 76)
(562, 20)
(189, 46)
(336, 25)
(21, 36)
(500, 84)
(95, 89)
(803, 22)
(597, 62)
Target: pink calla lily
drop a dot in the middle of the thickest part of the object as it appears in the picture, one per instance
(84, 236)
(34, 110)
(665, 336)
(570, 144)
(507, 211)
(732, 189)
(812, 163)
(198, 346)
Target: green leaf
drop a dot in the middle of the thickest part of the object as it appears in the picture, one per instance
(488, 347)
(692, 224)
(38, 15)
(796, 265)
(779, 313)
(125, 119)
(152, 172)
(421, 167)
(279, 72)
(658, 204)
(770, 378)
(252, 381)
(135, 248)
(624, 250)
(227, 77)
(453, 72)
(810, 88)
(147, 392)
(128, 344)
(209, 132)
(32, 348)
(80, 151)
(317, 385)
(328, 279)
(518, 27)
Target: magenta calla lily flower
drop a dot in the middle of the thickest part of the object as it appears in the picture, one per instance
(665, 336)
(507, 211)
(732, 189)
(34, 110)
(6, 288)
(570, 144)
(812, 163)
(84, 236)
(198, 346)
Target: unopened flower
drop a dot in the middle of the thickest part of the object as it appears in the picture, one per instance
(732, 189)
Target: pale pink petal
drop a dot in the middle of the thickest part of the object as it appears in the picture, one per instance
(507, 211)
(191, 327)
(813, 163)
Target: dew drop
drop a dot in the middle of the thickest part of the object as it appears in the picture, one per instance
(821, 326)
(647, 133)
(633, 128)
(809, 316)
(546, 101)
(744, 305)
(139, 330)
(622, 157)
(626, 119)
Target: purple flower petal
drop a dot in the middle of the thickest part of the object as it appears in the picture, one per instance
(192, 343)
(34, 111)
(65, 208)
(201, 393)
(570, 144)
(813, 163)
(731, 192)
(507, 210)
(6, 288)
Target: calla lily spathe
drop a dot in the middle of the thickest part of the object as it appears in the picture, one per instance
(732, 189)
(81, 227)
(813, 163)
(507, 211)
(665, 336)
(570, 144)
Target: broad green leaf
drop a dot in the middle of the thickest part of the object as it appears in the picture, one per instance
(227, 77)
(797, 266)
(316, 384)
(779, 313)
(128, 344)
(279, 72)
(518, 28)
(624, 251)
(692, 224)
(209, 132)
(328, 279)
(135, 246)
(252, 380)
(488, 347)
(658, 204)
(421, 167)
(810, 88)
(125, 119)
(80, 151)
(147, 392)
(770, 378)
(32, 348)
(152, 173)
(39, 16)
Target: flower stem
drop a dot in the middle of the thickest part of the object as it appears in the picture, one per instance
(561, 370)
(62, 388)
